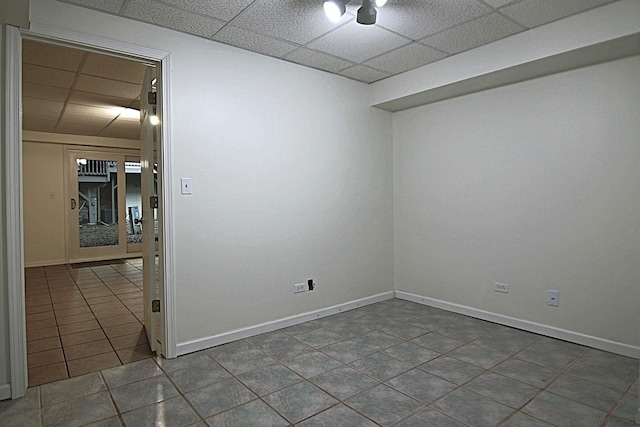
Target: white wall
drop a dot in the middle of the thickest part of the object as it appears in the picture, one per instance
(534, 185)
(291, 176)
(43, 216)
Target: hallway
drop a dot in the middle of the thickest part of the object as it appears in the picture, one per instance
(83, 318)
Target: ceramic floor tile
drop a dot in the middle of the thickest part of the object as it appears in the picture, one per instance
(450, 369)
(131, 372)
(268, 379)
(92, 363)
(477, 355)
(82, 337)
(130, 340)
(134, 354)
(78, 327)
(615, 421)
(608, 369)
(551, 353)
(219, 397)
(384, 405)
(284, 346)
(144, 392)
(472, 408)
(378, 340)
(380, 366)
(80, 411)
(502, 389)
(347, 351)
(526, 372)
(300, 401)
(29, 402)
(411, 353)
(583, 391)
(47, 315)
(174, 412)
(404, 331)
(62, 391)
(229, 350)
(74, 318)
(319, 338)
(343, 382)
(205, 373)
(254, 413)
(627, 407)
(337, 416)
(244, 361)
(563, 412)
(192, 360)
(43, 333)
(73, 310)
(311, 364)
(120, 330)
(520, 419)
(437, 342)
(421, 385)
(430, 417)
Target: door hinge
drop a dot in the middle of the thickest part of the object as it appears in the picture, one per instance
(153, 202)
(152, 98)
(155, 306)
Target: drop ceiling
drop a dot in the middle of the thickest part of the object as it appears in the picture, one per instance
(72, 91)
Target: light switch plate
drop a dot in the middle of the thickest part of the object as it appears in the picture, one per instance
(185, 186)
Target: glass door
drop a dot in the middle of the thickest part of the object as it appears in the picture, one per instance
(97, 225)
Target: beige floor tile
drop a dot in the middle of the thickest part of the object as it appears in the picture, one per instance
(87, 349)
(128, 341)
(82, 337)
(75, 318)
(43, 344)
(78, 327)
(40, 324)
(46, 315)
(132, 354)
(123, 311)
(35, 301)
(120, 330)
(47, 374)
(117, 320)
(69, 304)
(63, 289)
(73, 310)
(47, 357)
(38, 309)
(92, 363)
(102, 299)
(39, 334)
(97, 292)
(66, 297)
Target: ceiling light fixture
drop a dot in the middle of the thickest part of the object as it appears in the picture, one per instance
(335, 9)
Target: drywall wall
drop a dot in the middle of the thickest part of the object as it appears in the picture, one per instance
(534, 185)
(291, 175)
(43, 204)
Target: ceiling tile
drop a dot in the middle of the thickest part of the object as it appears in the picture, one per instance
(417, 19)
(252, 41)
(38, 124)
(363, 73)
(532, 13)
(118, 131)
(357, 42)
(51, 55)
(171, 17)
(406, 58)
(472, 34)
(112, 6)
(33, 90)
(315, 59)
(99, 100)
(42, 105)
(93, 111)
(298, 21)
(107, 87)
(224, 10)
(50, 76)
(114, 68)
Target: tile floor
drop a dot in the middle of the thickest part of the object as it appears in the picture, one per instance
(390, 363)
(83, 318)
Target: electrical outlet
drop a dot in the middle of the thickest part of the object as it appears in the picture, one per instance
(299, 287)
(501, 287)
(310, 284)
(553, 298)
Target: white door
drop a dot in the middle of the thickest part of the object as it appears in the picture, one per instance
(149, 212)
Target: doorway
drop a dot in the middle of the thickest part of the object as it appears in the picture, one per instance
(99, 195)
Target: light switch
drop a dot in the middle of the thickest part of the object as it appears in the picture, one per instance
(185, 186)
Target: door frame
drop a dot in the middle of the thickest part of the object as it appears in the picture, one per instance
(13, 176)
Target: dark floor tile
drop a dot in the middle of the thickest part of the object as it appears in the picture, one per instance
(430, 417)
(339, 415)
(347, 351)
(380, 366)
(344, 382)
(311, 364)
(563, 412)
(450, 369)
(267, 379)
(526, 372)
(300, 401)
(473, 409)
(174, 412)
(219, 397)
(254, 413)
(502, 389)
(384, 405)
(421, 385)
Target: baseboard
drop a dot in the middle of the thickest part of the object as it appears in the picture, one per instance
(29, 264)
(208, 342)
(5, 391)
(538, 328)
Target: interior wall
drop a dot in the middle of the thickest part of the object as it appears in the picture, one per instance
(43, 204)
(291, 175)
(534, 185)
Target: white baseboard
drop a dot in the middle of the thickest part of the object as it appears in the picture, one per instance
(208, 342)
(5, 391)
(538, 328)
